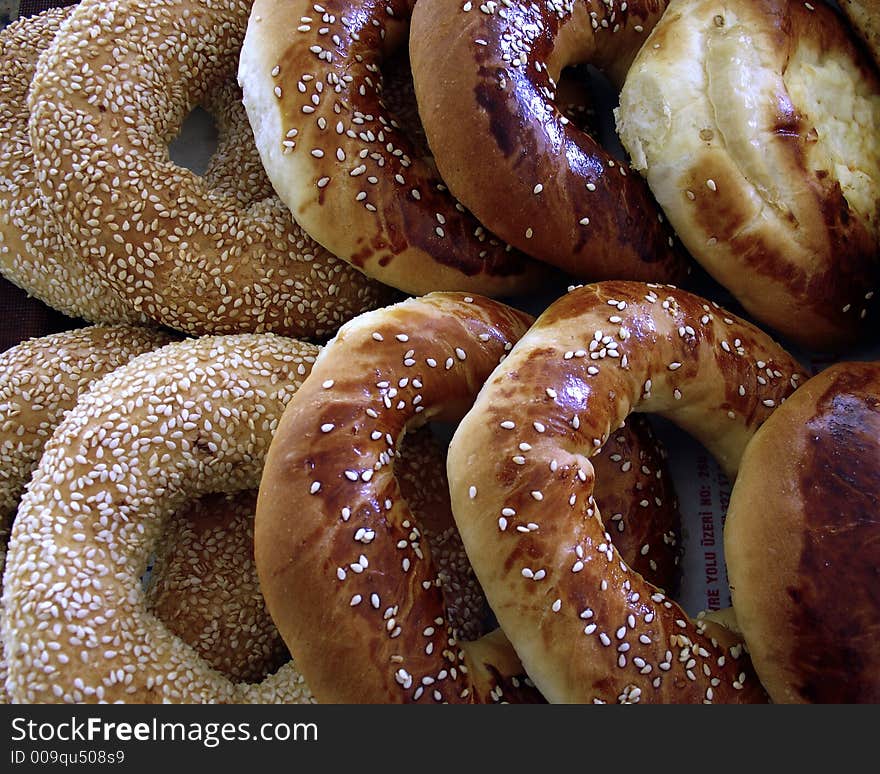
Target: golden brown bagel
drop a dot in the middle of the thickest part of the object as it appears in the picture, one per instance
(802, 541)
(486, 76)
(336, 516)
(587, 627)
(33, 252)
(314, 90)
(337, 547)
(107, 97)
(187, 419)
(757, 126)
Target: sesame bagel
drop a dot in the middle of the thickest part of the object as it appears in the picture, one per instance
(40, 381)
(368, 622)
(803, 582)
(512, 157)
(338, 516)
(357, 181)
(586, 626)
(190, 418)
(757, 126)
(107, 97)
(34, 254)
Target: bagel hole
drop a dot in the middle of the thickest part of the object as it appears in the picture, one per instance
(206, 535)
(703, 491)
(427, 497)
(587, 98)
(399, 98)
(196, 141)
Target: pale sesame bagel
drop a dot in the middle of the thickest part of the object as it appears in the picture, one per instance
(757, 126)
(486, 78)
(107, 97)
(188, 419)
(864, 16)
(203, 581)
(203, 586)
(357, 181)
(347, 574)
(586, 626)
(802, 541)
(40, 381)
(33, 252)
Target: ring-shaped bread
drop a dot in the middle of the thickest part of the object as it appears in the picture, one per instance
(353, 176)
(757, 126)
(107, 97)
(40, 380)
(187, 419)
(803, 582)
(486, 78)
(331, 521)
(33, 252)
(335, 520)
(586, 626)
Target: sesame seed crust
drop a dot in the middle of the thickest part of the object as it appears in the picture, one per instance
(183, 249)
(34, 254)
(527, 172)
(190, 418)
(40, 380)
(203, 586)
(382, 632)
(346, 161)
(614, 632)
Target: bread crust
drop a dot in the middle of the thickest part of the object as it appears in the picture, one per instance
(337, 155)
(757, 126)
(802, 541)
(486, 85)
(587, 627)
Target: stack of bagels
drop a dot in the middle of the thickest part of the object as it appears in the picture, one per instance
(362, 411)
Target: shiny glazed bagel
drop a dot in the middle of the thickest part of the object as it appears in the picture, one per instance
(339, 518)
(586, 626)
(190, 418)
(33, 252)
(803, 582)
(486, 78)
(340, 158)
(216, 253)
(757, 126)
(343, 564)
